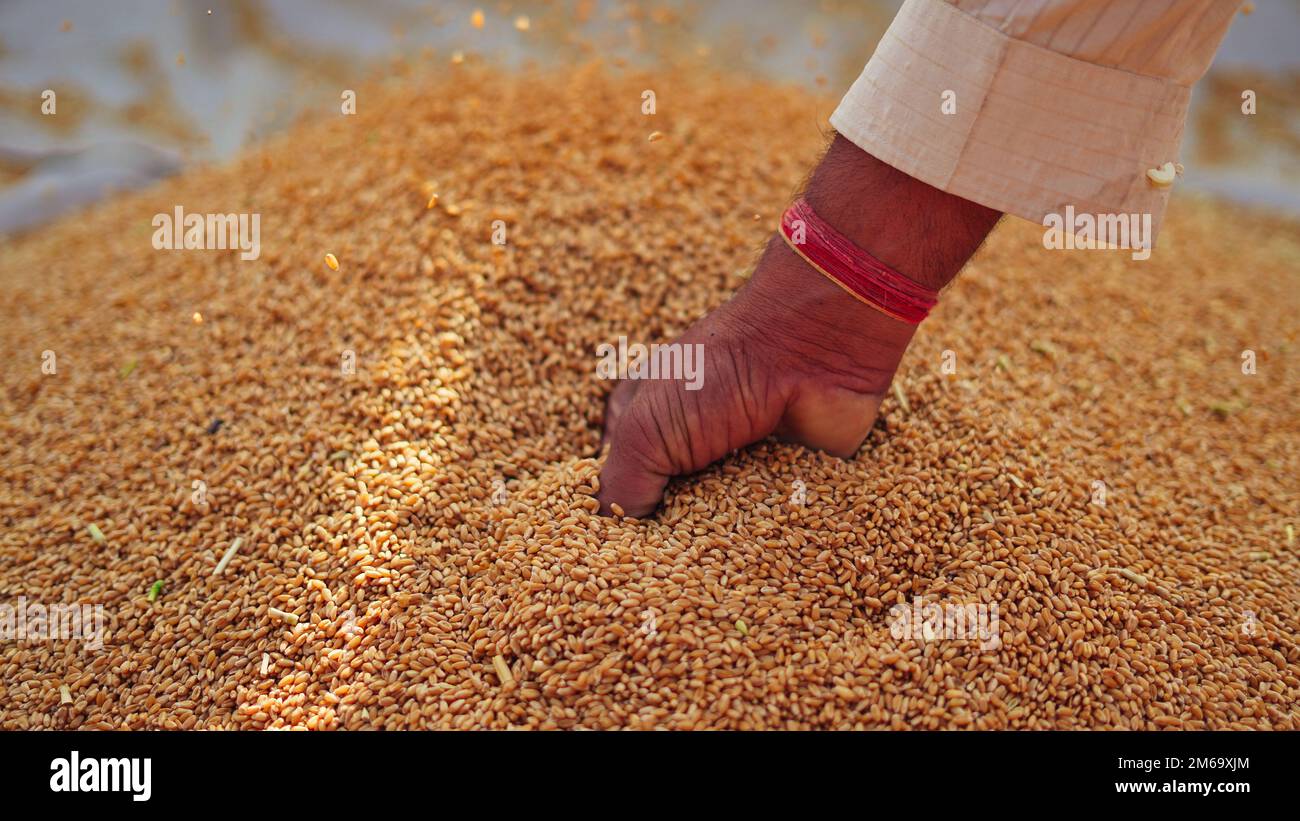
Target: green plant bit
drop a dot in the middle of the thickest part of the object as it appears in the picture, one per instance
(1224, 409)
(156, 590)
(96, 533)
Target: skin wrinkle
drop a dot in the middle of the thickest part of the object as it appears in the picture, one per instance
(758, 395)
(647, 407)
(746, 401)
(685, 425)
(680, 430)
(661, 437)
(727, 420)
(646, 455)
(855, 369)
(827, 320)
(867, 379)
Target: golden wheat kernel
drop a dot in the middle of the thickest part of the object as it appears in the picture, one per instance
(502, 670)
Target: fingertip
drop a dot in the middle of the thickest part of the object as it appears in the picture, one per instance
(625, 482)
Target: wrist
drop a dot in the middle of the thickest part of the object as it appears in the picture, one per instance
(805, 317)
(923, 233)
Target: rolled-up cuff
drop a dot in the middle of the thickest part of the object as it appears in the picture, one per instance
(1010, 125)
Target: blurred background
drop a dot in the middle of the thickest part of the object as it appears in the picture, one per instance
(145, 87)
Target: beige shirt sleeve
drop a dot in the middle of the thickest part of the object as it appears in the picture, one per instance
(1051, 103)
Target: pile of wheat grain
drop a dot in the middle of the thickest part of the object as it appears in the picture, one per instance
(417, 540)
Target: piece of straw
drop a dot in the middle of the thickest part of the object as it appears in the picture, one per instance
(902, 400)
(230, 554)
(280, 614)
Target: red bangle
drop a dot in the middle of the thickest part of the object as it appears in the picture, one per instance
(868, 279)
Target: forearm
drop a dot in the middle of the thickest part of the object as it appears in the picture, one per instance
(925, 234)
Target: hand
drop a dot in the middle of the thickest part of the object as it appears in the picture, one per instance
(792, 353)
